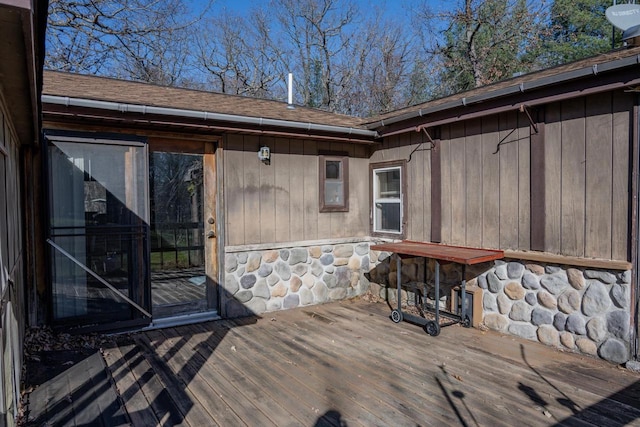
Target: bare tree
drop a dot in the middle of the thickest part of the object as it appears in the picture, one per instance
(139, 39)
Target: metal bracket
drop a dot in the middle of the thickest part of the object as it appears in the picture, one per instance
(432, 143)
(525, 109)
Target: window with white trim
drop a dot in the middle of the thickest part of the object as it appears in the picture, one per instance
(388, 198)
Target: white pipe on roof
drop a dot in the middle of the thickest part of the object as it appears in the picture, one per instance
(203, 115)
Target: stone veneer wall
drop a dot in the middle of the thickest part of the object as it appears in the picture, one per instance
(269, 280)
(578, 309)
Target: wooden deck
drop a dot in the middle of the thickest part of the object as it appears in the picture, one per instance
(348, 364)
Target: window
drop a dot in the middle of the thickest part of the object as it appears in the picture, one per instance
(388, 183)
(334, 183)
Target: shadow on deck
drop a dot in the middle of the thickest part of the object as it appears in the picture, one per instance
(347, 364)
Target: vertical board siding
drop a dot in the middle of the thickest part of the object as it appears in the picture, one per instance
(445, 165)
(457, 166)
(234, 189)
(524, 183)
(553, 174)
(598, 179)
(281, 165)
(573, 177)
(509, 174)
(490, 182)
(279, 202)
(473, 180)
(621, 161)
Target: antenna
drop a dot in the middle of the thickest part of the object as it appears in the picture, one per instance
(625, 17)
(290, 91)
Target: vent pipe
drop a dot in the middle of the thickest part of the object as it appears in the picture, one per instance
(290, 92)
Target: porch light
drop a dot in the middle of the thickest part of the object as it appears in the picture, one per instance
(264, 154)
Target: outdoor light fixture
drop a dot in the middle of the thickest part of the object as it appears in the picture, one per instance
(264, 154)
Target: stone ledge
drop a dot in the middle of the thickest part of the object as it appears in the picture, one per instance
(549, 258)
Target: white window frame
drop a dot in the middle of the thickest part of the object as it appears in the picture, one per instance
(385, 167)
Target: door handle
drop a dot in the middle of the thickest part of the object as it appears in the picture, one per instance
(211, 234)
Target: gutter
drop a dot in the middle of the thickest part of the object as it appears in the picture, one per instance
(510, 90)
(205, 115)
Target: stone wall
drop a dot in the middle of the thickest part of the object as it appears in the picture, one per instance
(269, 280)
(578, 309)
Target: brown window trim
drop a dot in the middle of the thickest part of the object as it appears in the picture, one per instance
(344, 158)
(403, 176)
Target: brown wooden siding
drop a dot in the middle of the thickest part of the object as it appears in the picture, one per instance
(486, 178)
(279, 202)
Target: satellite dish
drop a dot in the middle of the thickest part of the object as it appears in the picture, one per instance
(624, 16)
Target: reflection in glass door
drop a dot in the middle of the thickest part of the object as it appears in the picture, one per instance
(98, 230)
(178, 277)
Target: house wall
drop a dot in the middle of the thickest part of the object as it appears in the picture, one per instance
(12, 283)
(279, 202)
(490, 173)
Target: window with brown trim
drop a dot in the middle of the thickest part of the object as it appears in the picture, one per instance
(334, 183)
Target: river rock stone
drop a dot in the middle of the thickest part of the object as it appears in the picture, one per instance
(552, 269)
(295, 283)
(576, 324)
(316, 268)
(308, 280)
(514, 290)
(283, 270)
(265, 270)
(576, 279)
(569, 301)
(270, 256)
(261, 290)
(274, 304)
(330, 280)
(535, 269)
(284, 254)
(620, 295)
(587, 346)
(354, 263)
(230, 263)
(520, 311)
(273, 279)
(554, 283)
(614, 351)
(496, 322)
(504, 304)
(231, 284)
(530, 281)
(567, 339)
(300, 269)
(321, 292)
(547, 300)
(625, 276)
(337, 294)
(247, 281)
(597, 329)
(243, 296)
(326, 259)
(306, 296)
(531, 298)
(253, 262)
(291, 301)
(501, 272)
(257, 305)
(548, 335)
(495, 285)
(240, 271)
(279, 290)
(482, 282)
(489, 302)
(560, 321)
(618, 324)
(523, 330)
(362, 249)
(514, 270)
(595, 299)
(315, 252)
(242, 257)
(343, 251)
(603, 276)
(298, 255)
(541, 316)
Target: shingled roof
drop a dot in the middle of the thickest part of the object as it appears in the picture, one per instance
(129, 92)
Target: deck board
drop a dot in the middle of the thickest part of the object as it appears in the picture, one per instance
(348, 363)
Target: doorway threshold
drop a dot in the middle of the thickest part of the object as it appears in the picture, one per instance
(181, 320)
